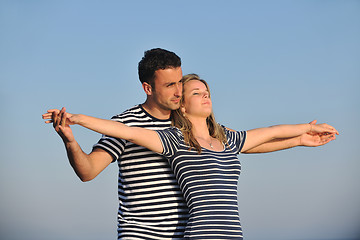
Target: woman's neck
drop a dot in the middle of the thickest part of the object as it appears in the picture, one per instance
(200, 131)
(199, 127)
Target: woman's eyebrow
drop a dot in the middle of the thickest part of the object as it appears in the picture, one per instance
(198, 89)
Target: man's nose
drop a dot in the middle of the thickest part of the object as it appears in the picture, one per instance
(178, 89)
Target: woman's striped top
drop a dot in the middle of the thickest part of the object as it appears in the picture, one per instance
(209, 184)
(151, 205)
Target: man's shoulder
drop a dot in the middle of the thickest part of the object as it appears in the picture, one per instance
(133, 111)
(137, 116)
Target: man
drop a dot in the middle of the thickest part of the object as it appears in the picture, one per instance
(151, 205)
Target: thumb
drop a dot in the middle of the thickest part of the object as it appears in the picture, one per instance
(313, 122)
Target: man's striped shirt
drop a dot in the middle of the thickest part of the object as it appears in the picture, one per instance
(151, 205)
(209, 184)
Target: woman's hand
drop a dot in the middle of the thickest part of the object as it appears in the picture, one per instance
(322, 129)
(318, 135)
(61, 121)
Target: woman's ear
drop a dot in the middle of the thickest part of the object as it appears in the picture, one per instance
(147, 88)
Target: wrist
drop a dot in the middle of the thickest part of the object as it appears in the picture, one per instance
(77, 119)
(299, 141)
(310, 127)
(70, 144)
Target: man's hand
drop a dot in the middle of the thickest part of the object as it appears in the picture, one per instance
(61, 123)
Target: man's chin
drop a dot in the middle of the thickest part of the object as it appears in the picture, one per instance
(174, 106)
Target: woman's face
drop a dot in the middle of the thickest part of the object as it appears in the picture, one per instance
(197, 102)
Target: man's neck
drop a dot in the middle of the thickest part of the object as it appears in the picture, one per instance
(155, 111)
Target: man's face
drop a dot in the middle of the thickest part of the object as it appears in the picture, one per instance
(168, 88)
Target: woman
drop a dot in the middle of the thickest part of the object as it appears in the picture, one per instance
(203, 155)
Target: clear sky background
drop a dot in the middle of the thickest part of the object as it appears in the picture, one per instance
(267, 62)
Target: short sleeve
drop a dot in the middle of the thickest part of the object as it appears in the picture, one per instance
(170, 139)
(236, 139)
(114, 146)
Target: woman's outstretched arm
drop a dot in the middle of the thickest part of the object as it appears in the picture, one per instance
(285, 136)
(306, 140)
(141, 136)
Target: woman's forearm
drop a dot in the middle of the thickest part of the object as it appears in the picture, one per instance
(103, 126)
(257, 137)
(288, 130)
(141, 136)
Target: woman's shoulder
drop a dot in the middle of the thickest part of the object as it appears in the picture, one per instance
(231, 133)
(172, 131)
(175, 130)
(228, 131)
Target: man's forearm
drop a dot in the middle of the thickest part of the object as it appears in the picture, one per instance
(79, 161)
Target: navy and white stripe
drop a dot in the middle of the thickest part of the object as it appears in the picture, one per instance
(151, 205)
(209, 184)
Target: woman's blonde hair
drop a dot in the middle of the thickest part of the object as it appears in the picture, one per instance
(180, 121)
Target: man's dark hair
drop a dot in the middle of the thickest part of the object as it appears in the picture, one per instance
(155, 59)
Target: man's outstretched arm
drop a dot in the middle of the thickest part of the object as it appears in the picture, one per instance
(86, 166)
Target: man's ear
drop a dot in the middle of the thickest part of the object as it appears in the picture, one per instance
(147, 88)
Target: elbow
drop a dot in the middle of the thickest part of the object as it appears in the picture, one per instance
(85, 178)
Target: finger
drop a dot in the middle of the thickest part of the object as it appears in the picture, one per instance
(336, 131)
(330, 127)
(328, 138)
(55, 118)
(50, 121)
(313, 122)
(333, 131)
(326, 126)
(53, 114)
(327, 141)
(63, 119)
(63, 109)
(324, 129)
(53, 110)
(61, 113)
(46, 116)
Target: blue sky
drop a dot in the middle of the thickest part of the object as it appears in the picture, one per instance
(267, 62)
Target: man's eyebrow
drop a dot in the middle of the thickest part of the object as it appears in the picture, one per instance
(169, 83)
(173, 82)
